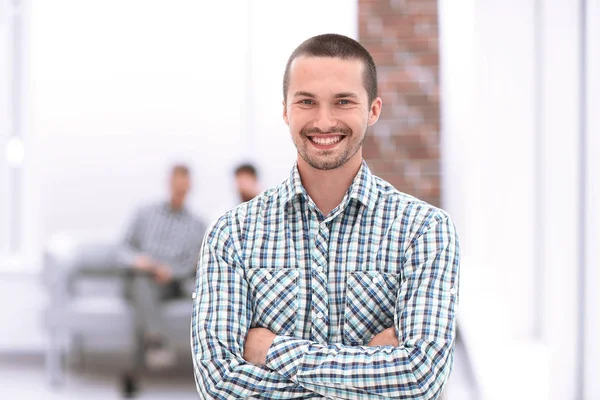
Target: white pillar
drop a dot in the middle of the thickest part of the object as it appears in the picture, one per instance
(592, 218)
(560, 120)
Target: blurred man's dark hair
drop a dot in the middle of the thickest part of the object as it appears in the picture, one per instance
(246, 180)
(246, 168)
(180, 169)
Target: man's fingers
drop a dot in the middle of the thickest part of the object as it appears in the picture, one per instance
(258, 342)
(387, 337)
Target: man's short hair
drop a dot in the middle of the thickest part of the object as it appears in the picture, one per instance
(180, 169)
(246, 168)
(335, 46)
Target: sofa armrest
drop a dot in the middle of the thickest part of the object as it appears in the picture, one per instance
(66, 261)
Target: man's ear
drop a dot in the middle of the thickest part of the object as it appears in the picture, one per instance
(375, 110)
(285, 116)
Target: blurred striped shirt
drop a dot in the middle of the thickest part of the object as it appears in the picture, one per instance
(171, 237)
(326, 285)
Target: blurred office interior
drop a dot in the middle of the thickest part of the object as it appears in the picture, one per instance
(490, 112)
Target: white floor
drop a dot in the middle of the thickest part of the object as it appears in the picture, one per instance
(24, 378)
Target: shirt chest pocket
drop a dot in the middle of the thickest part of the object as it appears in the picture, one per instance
(370, 304)
(274, 294)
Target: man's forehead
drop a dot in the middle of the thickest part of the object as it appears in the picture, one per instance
(326, 74)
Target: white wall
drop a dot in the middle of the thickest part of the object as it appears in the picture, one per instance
(124, 89)
(115, 106)
(592, 273)
(488, 146)
(504, 140)
(518, 169)
(5, 82)
(561, 124)
(18, 233)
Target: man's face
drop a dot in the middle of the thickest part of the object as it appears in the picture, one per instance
(246, 184)
(328, 111)
(180, 186)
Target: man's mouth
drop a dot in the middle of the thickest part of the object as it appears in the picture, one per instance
(325, 140)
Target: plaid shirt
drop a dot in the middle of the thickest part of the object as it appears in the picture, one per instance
(168, 236)
(326, 285)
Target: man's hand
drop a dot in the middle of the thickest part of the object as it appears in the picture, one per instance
(257, 345)
(386, 338)
(144, 263)
(163, 274)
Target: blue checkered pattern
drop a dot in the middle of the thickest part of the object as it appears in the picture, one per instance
(167, 236)
(326, 285)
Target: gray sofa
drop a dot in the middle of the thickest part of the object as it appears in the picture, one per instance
(88, 308)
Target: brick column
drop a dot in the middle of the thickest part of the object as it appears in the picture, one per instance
(403, 147)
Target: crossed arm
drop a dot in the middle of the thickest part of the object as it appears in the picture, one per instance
(259, 341)
(408, 361)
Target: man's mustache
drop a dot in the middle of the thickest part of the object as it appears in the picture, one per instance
(335, 129)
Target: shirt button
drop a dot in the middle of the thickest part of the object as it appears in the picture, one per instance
(319, 269)
(453, 291)
(376, 279)
(323, 225)
(194, 295)
(319, 315)
(269, 277)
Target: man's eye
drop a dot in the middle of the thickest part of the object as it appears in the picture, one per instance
(344, 102)
(306, 101)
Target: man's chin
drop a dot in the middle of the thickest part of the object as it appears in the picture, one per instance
(325, 165)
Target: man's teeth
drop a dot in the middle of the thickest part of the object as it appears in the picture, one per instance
(325, 141)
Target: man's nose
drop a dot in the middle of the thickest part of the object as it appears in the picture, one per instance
(325, 119)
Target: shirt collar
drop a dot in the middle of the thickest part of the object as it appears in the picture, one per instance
(292, 186)
(362, 189)
(167, 207)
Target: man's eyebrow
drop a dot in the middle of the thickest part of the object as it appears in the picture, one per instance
(345, 94)
(337, 95)
(305, 94)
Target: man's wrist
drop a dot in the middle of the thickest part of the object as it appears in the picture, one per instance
(285, 354)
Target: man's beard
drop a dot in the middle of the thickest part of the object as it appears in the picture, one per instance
(328, 164)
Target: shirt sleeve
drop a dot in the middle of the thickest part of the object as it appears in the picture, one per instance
(425, 323)
(130, 246)
(221, 318)
(185, 265)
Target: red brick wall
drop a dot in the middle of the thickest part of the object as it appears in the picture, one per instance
(403, 146)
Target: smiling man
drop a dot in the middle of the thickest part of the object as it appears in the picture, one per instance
(332, 284)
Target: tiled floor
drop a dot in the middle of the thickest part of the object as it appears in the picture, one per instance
(24, 378)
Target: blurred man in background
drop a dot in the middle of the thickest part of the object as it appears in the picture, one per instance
(162, 246)
(246, 180)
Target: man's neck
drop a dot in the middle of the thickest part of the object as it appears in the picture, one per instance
(328, 187)
(248, 197)
(176, 205)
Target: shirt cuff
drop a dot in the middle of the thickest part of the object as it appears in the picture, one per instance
(126, 258)
(285, 355)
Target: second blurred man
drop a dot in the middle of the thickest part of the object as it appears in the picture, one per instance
(246, 180)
